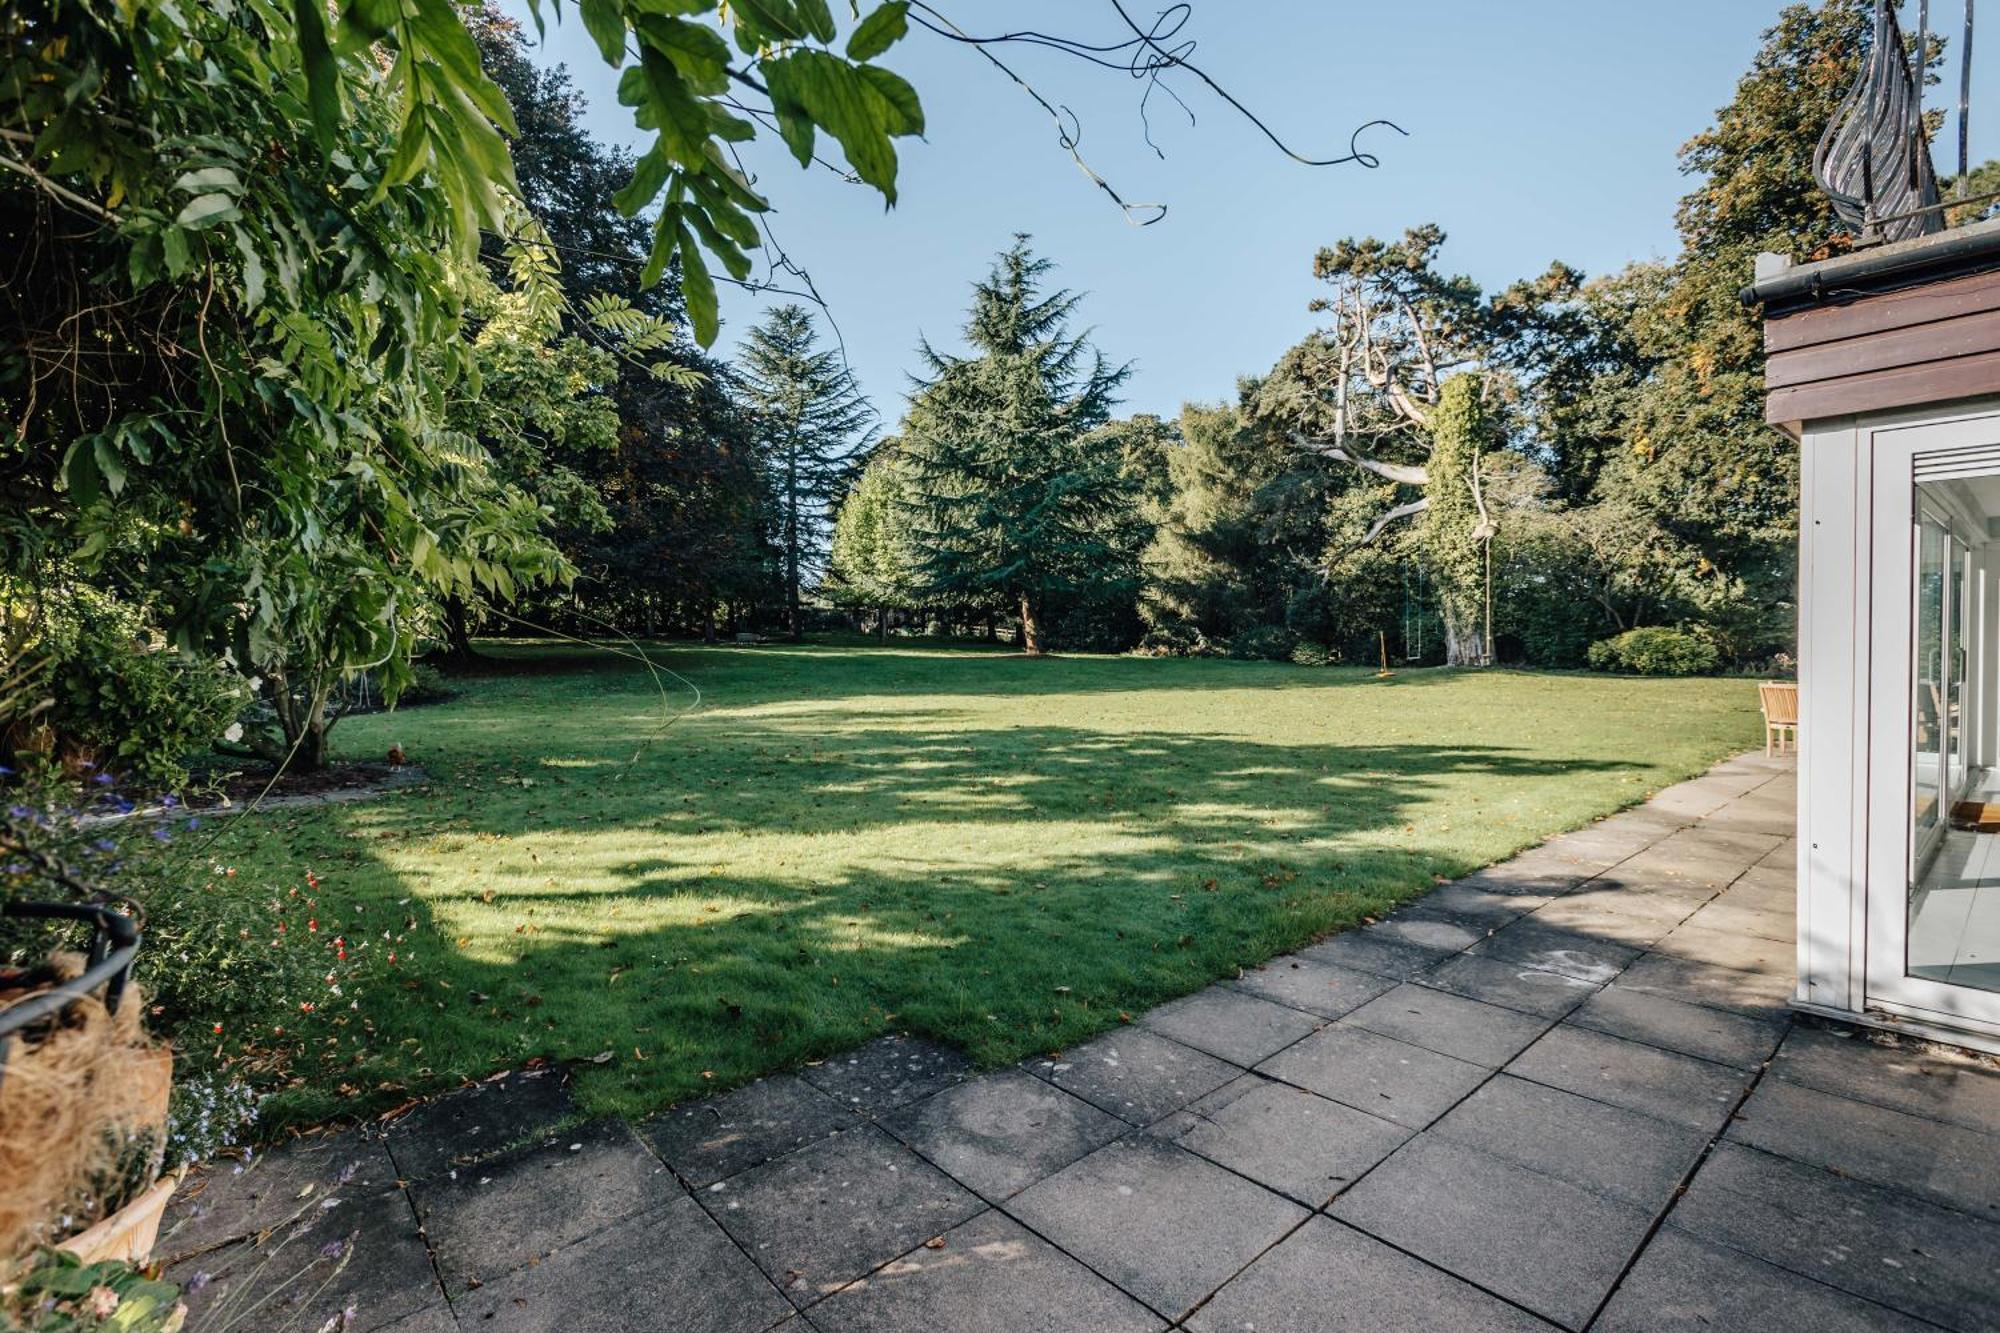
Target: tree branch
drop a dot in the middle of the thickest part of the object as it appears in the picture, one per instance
(1408, 474)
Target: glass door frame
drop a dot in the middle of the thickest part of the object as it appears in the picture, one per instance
(1898, 458)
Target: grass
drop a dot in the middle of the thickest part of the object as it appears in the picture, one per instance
(1005, 854)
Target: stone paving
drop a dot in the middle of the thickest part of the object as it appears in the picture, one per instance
(1564, 1091)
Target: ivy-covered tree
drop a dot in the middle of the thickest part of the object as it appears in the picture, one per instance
(811, 418)
(1015, 498)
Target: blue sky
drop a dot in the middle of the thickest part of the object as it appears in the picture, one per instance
(1537, 131)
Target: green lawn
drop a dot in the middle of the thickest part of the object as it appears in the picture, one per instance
(1002, 853)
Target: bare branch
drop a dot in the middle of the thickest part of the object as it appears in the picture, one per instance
(1378, 527)
(1408, 474)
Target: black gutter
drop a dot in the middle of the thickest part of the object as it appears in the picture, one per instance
(1904, 264)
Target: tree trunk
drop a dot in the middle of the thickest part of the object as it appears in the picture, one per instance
(1031, 630)
(1464, 644)
(882, 625)
(457, 631)
(708, 623)
(792, 620)
(992, 627)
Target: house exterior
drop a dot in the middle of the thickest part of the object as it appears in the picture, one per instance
(1884, 364)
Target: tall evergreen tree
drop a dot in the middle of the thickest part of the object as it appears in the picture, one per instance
(1016, 496)
(811, 419)
(686, 501)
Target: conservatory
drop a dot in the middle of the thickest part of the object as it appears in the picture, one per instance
(1885, 365)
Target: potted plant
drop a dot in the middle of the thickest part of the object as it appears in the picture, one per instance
(84, 1090)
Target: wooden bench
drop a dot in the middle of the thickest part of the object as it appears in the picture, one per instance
(1780, 702)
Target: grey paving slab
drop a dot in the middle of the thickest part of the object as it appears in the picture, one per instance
(1534, 942)
(888, 1072)
(364, 1253)
(1510, 985)
(1945, 1163)
(1615, 916)
(1704, 983)
(1475, 905)
(480, 1121)
(1329, 1278)
(990, 1275)
(1162, 1224)
(1391, 1079)
(1713, 1034)
(1312, 984)
(1541, 1242)
(1902, 1077)
(1882, 1245)
(1628, 1156)
(1234, 1024)
(1135, 1074)
(1728, 914)
(1679, 1284)
(817, 1219)
(1450, 1024)
(1425, 932)
(1360, 951)
(1284, 1138)
(227, 1200)
(1731, 948)
(1666, 1084)
(999, 1134)
(672, 1268)
(487, 1220)
(437, 1319)
(718, 1137)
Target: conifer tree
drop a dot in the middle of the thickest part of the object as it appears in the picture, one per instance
(811, 419)
(1016, 497)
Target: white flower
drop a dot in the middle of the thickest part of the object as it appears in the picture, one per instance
(234, 733)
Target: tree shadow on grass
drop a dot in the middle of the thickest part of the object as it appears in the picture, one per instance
(785, 891)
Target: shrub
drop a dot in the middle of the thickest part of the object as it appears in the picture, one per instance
(1177, 641)
(1264, 643)
(1093, 627)
(120, 700)
(59, 1293)
(1309, 654)
(1655, 651)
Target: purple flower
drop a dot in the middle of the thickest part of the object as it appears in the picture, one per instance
(333, 1249)
(160, 834)
(102, 779)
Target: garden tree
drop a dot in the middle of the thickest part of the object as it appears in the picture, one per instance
(1376, 400)
(233, 322)
(810, 417)
(1697, 466)
(1209, 572)
(686, 504)
(871, 564)
(1015, 497)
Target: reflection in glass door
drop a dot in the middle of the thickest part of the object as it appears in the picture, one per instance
(1927, 770)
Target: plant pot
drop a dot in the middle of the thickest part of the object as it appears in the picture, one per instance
(129, 1233)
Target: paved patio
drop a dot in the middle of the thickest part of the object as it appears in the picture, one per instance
(1563, 1091)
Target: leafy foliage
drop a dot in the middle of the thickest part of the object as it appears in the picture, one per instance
(1655, 650)
(1014, 495)
(810, 418)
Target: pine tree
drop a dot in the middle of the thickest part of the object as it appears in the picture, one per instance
(1015, 496)
(811, 419)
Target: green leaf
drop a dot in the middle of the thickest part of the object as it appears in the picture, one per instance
(683, 123)
(817, 18)
(698, 52)
(880, 30)
(370, 19)
(770, 20)
(322, 75)
(206, 210)
(604, 20)
(834, 96)
(444, 36)
(649, 175)
(210, 178)
(699, 288)
(110, 466)
(893, 89)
